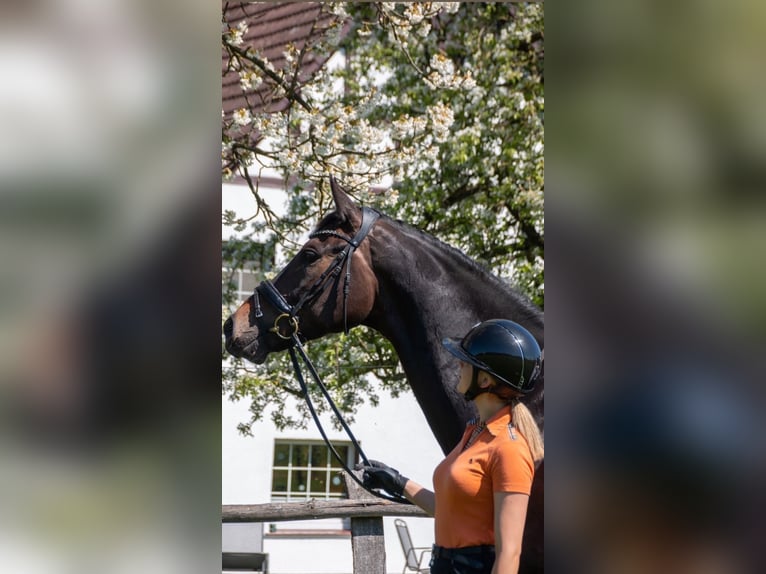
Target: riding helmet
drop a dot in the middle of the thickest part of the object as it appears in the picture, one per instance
(502, 348)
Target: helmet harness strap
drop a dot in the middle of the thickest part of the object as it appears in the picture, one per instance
(474, 390)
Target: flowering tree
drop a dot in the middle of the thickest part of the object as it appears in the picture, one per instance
(442, 100)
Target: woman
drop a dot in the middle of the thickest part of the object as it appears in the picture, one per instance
(482, 487)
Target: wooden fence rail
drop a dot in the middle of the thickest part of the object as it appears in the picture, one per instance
(284, 511)
(366, 514)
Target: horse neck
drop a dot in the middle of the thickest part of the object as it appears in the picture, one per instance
(428, 291)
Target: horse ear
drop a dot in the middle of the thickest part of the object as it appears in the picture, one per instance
(344, 205)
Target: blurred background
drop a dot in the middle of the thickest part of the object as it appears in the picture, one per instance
(109, 292)
(109, 320)
(656, 217)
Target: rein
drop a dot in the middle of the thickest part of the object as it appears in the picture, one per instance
(286, 327)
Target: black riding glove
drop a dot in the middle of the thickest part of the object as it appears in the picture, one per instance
(379, 475)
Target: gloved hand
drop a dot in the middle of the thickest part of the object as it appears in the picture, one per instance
(379, 475)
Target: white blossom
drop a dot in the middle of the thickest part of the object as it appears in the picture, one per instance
(443, 74)
(442, 65)
(402, 127)
(235, 36)
(468, 83)
(339, 9)
(289, 54)
(249, 79)
(442, 118)
(333, 35)
(242, 117)
(414, 13)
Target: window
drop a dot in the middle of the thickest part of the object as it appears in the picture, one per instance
(245, 264)
(243, 282)
(303, 470)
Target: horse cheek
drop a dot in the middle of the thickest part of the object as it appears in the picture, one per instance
(365, 294)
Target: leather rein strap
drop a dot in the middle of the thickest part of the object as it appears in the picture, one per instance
(288, 319)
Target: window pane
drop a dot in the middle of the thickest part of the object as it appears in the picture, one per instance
(300, 455)
(318, 482)
(281, 454)
(319, 455)
(299, 481)
(279, 481)
(303, 470)
(343, 452)
(249, 281)
(336, 483)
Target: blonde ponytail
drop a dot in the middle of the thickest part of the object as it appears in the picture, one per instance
(522, 419)
(525, 423)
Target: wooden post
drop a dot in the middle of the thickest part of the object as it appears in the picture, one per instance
(368, 544)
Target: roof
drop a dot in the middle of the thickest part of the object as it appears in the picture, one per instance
(271, 27)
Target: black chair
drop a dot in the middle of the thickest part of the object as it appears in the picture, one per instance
(412, 562)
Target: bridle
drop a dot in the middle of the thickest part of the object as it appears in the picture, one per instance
(289, 313)
(286, 326)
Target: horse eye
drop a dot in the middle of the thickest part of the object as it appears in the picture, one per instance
(310, 256)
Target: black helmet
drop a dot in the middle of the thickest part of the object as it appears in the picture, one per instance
(504, 349)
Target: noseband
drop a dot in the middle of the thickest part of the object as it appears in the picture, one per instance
(288, 319)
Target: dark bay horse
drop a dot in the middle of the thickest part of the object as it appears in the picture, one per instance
(414, 290)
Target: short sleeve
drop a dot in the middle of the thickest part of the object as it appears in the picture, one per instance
(512, 468)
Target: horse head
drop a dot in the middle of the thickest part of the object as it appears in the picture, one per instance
(313, 295)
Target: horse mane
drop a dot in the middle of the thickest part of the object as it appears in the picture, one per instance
(482, 272)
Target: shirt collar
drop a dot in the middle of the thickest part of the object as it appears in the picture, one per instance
(499, 421)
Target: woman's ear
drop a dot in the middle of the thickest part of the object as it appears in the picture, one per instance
(485, 380)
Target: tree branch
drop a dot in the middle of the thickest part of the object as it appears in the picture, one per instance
(290, 91)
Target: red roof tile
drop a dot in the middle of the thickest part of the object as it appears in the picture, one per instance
(271, 27)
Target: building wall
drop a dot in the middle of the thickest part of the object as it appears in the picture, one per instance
(395, 432)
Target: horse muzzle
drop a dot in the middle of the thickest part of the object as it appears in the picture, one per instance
(244, 344)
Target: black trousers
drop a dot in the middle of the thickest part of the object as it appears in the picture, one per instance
(471, 560)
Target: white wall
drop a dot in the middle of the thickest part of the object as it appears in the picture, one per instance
(395, 432)
(239, 198)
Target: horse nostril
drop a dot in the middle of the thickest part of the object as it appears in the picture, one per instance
(228, 328)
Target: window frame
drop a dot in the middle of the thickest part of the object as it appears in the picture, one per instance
(329, 469)
(237, 277)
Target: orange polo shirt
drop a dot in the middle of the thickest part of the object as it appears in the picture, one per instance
(465, 482)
